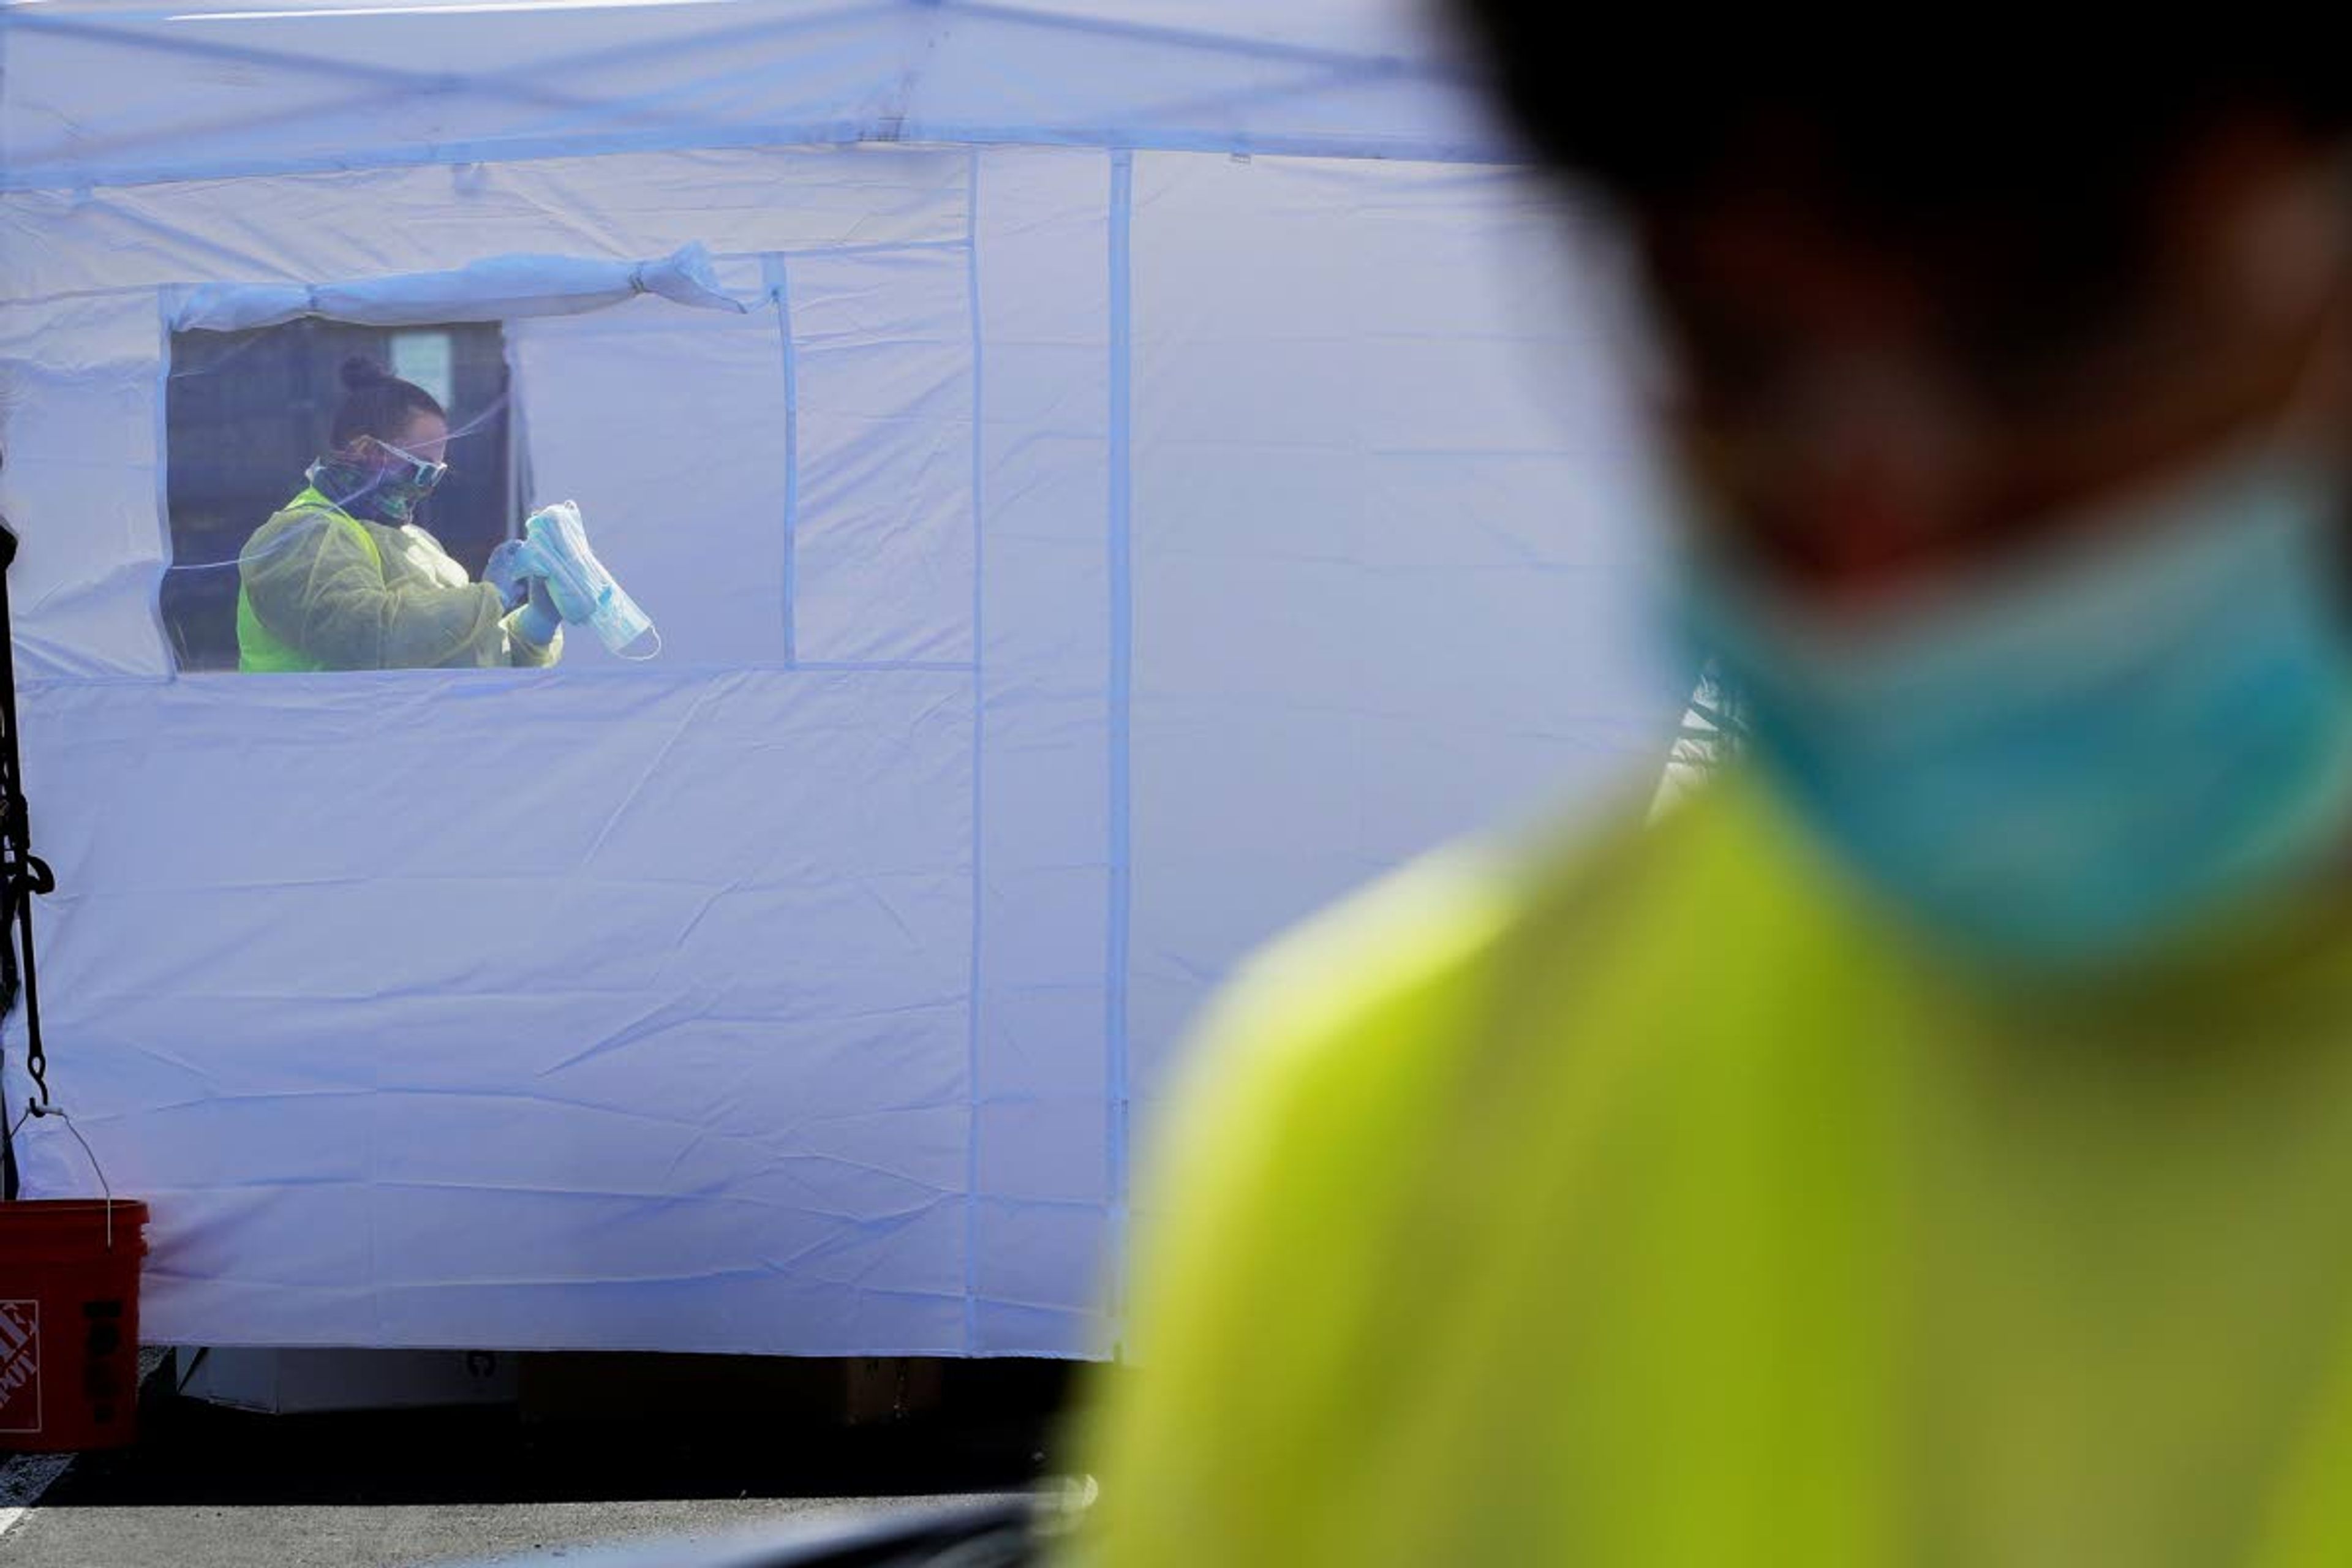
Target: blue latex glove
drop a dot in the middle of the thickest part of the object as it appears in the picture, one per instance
(565, 603)
(508, 571)
(539, 619)
(523, 562)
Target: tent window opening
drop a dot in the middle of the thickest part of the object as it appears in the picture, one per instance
(250, 418)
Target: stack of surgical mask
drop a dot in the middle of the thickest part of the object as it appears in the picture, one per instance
(555, 545)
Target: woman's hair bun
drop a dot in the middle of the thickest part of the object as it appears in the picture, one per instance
(361, 371)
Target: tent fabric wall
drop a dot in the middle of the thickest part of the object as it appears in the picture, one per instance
(1400, 484)
(1076, 562)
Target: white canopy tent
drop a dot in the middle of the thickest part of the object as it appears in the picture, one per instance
(1095, 473)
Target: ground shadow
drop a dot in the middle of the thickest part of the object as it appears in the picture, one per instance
(993, 1428)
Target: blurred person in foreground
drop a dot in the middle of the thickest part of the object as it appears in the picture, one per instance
(1934, 1143)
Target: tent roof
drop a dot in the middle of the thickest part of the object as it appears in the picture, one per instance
(97, 92)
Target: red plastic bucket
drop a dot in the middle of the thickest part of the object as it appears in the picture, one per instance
(70, 1322)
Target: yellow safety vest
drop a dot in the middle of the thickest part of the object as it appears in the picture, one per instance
(1660, 1205)
(260, 650)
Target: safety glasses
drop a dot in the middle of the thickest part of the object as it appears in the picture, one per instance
(422, 472)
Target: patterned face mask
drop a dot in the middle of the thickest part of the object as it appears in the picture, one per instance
(378, 481)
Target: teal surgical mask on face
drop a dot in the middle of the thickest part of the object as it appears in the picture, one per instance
(2069, 769)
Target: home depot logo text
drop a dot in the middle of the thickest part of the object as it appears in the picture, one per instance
(20, 1366)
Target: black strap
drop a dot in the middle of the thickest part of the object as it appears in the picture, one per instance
(23, 875)
(11, 980)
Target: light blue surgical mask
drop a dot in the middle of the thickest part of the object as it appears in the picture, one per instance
(2070, 768)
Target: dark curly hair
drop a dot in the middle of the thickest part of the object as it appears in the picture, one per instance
(2017, 162)
(377, 402)
(1912, 123)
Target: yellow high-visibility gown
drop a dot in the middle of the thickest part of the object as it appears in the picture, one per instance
(1663, 1207)
(318, 589)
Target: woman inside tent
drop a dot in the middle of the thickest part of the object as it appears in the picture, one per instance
(342, 578)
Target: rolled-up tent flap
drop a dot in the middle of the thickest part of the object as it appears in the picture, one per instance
(499, 288)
